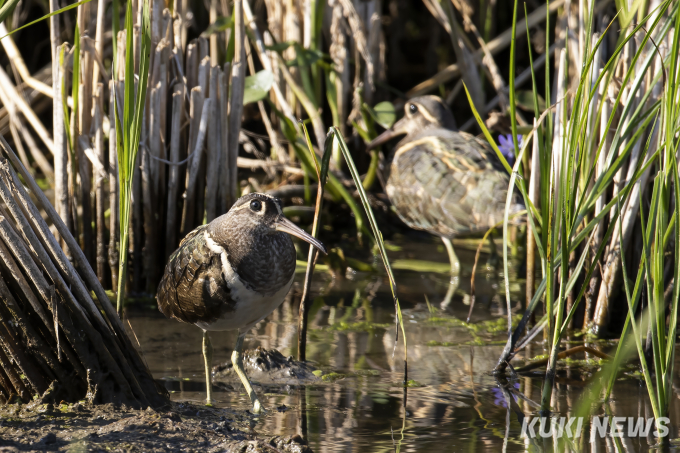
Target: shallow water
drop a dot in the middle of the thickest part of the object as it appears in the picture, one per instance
(453, 403)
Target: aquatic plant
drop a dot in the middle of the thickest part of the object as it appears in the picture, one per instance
(129, 130)
(577, 160)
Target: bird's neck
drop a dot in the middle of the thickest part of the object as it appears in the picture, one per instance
(264, 262)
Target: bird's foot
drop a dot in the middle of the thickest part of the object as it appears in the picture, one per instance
(209, 403)
(258, 408)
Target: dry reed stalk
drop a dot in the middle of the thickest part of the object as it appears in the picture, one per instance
(99, 38)
(34, 98)
(494, 46)
(84, 116)
(30, 370)
(126, 355)
(268, 64)
(312, 111)
(9, 262)
(340, 78)
(19, 250)
(39, 347)
(150, 236)
(534, 196)
(204, 83)
(17, 128)
(172, 224)
(487, 60)
(13, 377)
(237, 85)
(360, 41)
(28, 113)
(291, 33)
(17, 62)
(194, 173)
(277, 150)
(213, 148)
(60, 145)
(17, 141)
(195, 114)
(468, 67)
(120, 54)
(99, 182)
(227, 155)
(191, 68)
(619, 244)
(162, 87)
(214, 50)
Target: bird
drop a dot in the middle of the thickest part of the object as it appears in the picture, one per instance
(443, 181)
(232, 273)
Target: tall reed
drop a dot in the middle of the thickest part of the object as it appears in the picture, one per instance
(129, 130)
(579, 164)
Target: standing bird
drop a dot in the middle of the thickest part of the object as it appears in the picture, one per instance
(445, 182)
(232, 273)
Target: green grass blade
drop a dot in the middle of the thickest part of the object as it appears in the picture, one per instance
(376, 231)
(11, 3)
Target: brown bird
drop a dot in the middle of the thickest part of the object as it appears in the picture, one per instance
(445, 182)
(232, 273)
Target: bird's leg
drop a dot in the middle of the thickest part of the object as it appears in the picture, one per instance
(453, 259)
(237, 361)
(455, 270)
(493, 252)
(207, 355)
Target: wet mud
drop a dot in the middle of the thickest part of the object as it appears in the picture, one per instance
(178, 427)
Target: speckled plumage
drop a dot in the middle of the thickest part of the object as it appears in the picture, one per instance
(445, 182)
(198, 287)
(232, 273)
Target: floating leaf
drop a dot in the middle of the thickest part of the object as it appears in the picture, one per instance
(257, 86)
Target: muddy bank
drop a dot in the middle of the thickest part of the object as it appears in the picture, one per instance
(179, 427)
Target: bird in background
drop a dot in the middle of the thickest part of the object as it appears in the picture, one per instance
(232, 273)
(442, 181)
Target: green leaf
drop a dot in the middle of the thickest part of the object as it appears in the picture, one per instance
(383, 113)
(257, 86)
(222, 23)
(279, 46)
(305, 57)
(7, 8)
(524, 99)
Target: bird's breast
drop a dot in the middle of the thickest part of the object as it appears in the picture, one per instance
(256, 287)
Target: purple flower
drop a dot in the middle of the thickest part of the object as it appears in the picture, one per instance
(499, 397)
(507, 147)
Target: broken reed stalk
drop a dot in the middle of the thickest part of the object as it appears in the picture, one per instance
(29, 252)
(322, 173)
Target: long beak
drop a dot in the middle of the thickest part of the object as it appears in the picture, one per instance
(285, 225)
(397, 129)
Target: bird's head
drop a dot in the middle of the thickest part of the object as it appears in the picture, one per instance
(421, 113)
(256, 215)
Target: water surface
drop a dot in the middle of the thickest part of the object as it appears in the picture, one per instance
(453, 402)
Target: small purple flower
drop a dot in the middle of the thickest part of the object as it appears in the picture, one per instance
(499, 397)
(507, 147)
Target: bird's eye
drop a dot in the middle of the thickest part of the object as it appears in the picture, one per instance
(256, 205)
(413, 108)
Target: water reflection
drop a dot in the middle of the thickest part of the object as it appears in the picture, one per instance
(453, 404)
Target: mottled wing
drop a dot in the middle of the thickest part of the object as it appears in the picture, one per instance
(192, 288)
(449, 183)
